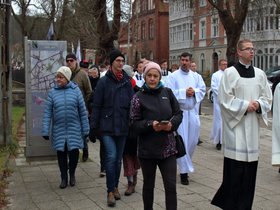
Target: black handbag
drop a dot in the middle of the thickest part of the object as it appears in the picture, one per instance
(180, 146)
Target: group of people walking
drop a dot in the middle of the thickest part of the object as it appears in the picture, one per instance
(135, 117)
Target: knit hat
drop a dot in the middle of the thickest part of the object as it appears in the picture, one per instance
(92, 66)
(65, 71)
(114, 54)
(151, 65)
(128, 69)
(71, 55)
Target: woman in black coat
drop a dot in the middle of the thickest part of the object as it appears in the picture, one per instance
(155, 115)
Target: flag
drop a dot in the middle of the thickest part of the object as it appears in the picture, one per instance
(78, 52)
(72, 46)
(50, 35)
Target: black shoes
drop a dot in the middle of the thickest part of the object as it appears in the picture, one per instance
(184, 179)
(72, 181)
(63, 184)
(218, 146)
(199, 141)
(102, 173)
(85, 155)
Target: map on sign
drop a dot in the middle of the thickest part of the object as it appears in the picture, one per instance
(45, 58)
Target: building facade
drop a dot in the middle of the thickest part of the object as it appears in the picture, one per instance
(208, 43)
(148, 31)
(195, 28)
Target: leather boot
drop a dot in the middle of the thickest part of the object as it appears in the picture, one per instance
(63, 184)
(184, 179)
(135, 180)
(130, 189)
(85, 155)
(72, 180)
(117, 194)
(111, 199)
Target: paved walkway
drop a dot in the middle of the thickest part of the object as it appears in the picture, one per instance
(35, 185)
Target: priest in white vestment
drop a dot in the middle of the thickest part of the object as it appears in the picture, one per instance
(216, 132)
(193, 67)
(245, 99)
(189, 89)
(276, 128)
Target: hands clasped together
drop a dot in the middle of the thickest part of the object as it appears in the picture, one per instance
(253, 106)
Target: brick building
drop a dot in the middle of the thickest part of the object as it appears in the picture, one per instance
(149, 31)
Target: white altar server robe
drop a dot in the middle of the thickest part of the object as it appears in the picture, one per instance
(179, 81)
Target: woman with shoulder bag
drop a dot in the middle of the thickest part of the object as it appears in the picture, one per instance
(151, 110)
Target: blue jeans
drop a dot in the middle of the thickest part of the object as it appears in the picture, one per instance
(114, 146)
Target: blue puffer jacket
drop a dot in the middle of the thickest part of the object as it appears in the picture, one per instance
(111, 105)
(65, 109)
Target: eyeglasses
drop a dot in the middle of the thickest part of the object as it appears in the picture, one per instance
(70, 60)
(119, 60)
(250, 49)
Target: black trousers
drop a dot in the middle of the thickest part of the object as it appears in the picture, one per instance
(62, 158)
(238, 186)
(168, 169)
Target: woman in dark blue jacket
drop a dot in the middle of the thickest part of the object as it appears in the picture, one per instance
(110, 119)
(155, 115)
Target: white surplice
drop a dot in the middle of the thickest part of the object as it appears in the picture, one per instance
(241, 129)
(179, 81)
(216, 132)
(276, 127)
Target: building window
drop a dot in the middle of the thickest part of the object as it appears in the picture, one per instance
(184, 38)
(137, 7)
(215, 27)
(202, 29)
(151, 29)
(202, 3)
(144, 5)
(143, 30)
(259, 56)
(277, 60)
(151, 4)
(190, 28)
(202, 62)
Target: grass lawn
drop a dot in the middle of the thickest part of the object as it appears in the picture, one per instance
(6, 151)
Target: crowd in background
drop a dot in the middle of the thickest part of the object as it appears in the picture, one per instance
(134, 111)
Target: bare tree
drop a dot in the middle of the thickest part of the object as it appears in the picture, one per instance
(107, 34)
(232, 14)
(22, 17)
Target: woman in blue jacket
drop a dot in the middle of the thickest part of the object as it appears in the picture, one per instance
(65, 112)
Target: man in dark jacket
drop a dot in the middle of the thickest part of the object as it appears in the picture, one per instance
(110, 119)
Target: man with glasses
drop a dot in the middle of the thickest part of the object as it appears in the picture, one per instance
(80, 77)
(110, 120)
(245, 99)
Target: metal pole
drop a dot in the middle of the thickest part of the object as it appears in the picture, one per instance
(6, 87)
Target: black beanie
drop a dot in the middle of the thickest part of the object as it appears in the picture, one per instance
(114, 54)
(71, 55)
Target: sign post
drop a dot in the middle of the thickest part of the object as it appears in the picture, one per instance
(42, 59)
